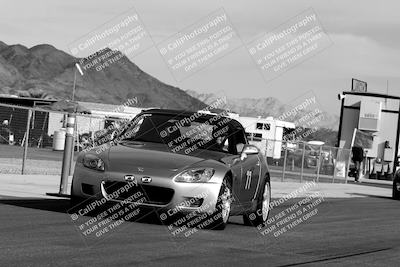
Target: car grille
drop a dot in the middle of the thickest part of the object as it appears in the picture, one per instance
(153, 194)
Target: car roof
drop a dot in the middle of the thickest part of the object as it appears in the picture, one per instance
(185, 113)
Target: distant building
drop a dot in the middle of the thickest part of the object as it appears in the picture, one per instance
(17, 117)
(44, 124)
(102, 115)
(376, 117)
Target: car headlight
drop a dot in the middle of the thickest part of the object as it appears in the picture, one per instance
(198, 175)
(93, 162)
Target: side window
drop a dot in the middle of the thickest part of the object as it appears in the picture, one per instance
(241, 137)
(249, 136)
(221, 140)
(257, 137)
(263, 126)
(238, 141)
(225, 147)
(131, 129)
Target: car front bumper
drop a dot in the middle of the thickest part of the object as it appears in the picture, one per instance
(161, 193)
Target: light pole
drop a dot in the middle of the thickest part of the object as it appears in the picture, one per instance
(71, 164)
(77, 67)
(68, 156)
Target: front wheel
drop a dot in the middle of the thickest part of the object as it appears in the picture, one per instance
(75, 200)
(261, 214)
(223, 207)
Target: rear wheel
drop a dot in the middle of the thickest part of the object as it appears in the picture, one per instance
(260, 215)
(223, 207)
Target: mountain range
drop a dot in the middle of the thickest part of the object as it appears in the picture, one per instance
(44, 71)
(268, 107)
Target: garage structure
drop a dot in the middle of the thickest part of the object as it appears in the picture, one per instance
(376, 115)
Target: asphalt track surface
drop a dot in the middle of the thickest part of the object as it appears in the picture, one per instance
(360, 231)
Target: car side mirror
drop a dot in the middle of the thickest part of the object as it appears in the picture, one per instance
(248, 150)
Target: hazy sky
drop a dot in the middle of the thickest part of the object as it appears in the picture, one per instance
(365, 35)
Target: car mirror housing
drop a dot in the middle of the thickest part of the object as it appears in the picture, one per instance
(248, 150)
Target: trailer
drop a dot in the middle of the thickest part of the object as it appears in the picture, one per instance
(266, 133)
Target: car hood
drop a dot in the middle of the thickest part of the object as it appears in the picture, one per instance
(132, 156)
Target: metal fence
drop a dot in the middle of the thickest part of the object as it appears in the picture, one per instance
(32, 142)
(302, 161)
(32, 139)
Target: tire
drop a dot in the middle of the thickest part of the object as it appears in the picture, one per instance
(395, 193)
(260, 215)
(223, 207)
(74, 201)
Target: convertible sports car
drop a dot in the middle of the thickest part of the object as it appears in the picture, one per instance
(184, 162)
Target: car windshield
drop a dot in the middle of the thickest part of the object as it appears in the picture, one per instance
(178, 131)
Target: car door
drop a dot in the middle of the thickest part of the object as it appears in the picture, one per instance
(250, 170)
(250, 177)
(235, 166)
